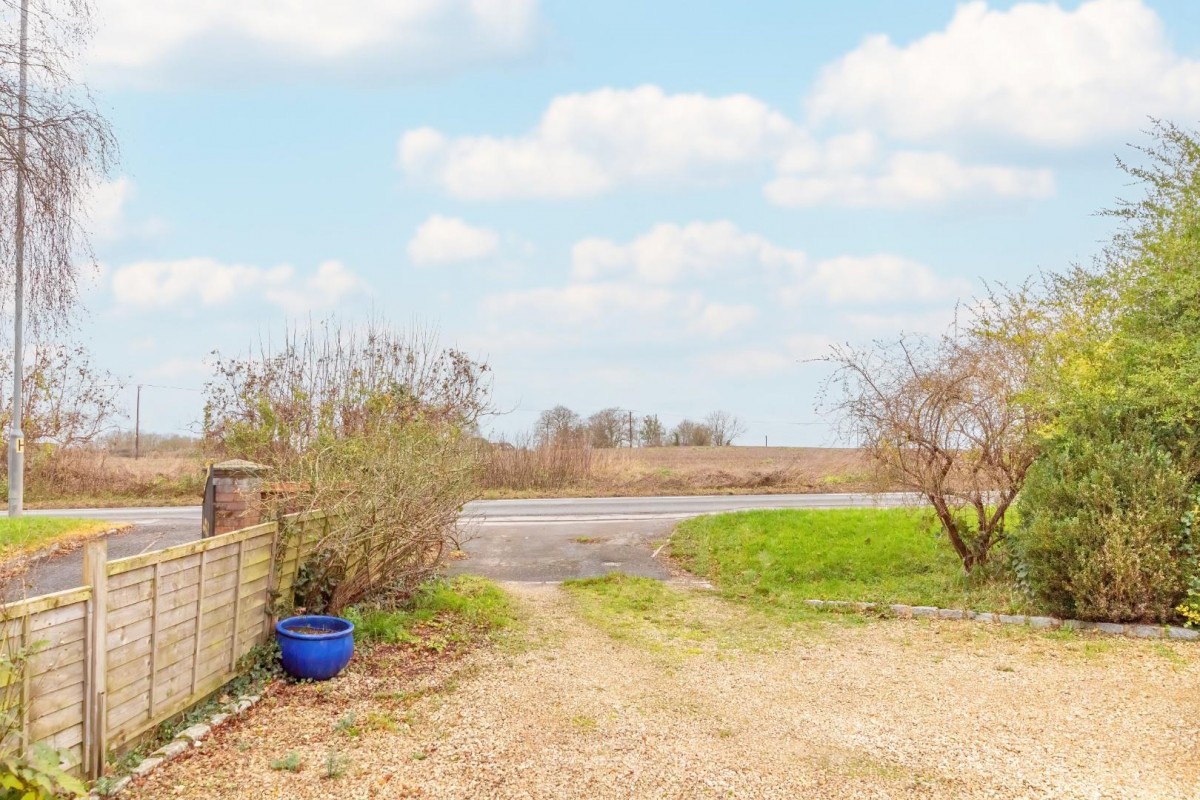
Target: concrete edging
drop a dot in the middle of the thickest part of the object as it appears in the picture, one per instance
(185, 740)
(1048, 623)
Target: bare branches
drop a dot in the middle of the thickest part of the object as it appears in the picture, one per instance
(67, 147)
(946, 419)
(373, 427)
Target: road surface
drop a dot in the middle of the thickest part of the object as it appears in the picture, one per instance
(517, 540)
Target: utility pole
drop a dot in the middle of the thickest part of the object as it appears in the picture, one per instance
(630, 430)
(16, 436)
(137, 424)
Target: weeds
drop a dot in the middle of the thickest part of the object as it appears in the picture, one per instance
(289, 763)
(335, 765)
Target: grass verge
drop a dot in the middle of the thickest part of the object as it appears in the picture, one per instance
(25, 535)
(781, 558)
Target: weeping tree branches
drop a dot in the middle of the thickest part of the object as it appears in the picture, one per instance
(66, 148)
(947, 418)
(372, 426)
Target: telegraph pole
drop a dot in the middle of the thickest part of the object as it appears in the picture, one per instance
(137, 424)
(630, 430)
(16, 436)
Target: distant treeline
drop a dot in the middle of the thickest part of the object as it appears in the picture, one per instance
(617, 427)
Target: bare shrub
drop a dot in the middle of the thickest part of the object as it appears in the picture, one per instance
(946, 419)
(689, 433)
(530, 463)
(369, 425)
(68, 400)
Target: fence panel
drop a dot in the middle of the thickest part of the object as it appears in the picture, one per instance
(53, 696)
(149, 636)
(175, 628)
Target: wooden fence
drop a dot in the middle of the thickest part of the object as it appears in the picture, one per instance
(147, 637)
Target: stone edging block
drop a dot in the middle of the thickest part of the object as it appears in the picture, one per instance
(187, 738)
(1042, 623)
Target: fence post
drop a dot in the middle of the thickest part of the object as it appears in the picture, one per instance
(95, 575)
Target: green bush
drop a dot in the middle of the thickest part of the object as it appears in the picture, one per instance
(1101, 534)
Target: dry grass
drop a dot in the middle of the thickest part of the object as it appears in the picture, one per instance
(95, 478)
(678, 470)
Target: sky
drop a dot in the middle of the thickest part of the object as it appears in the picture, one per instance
(671, 207)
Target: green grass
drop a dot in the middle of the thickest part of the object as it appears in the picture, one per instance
(458, 609)
(25, 535)
(667, 620)
(781, 558)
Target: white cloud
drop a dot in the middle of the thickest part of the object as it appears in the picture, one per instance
(1035, 71)
(332, 283)
(585, 144)
(198, 40)
(105, 208)
(447, 240)
(717, 319)
(669, 252)
(207, 282)
(875, 279)
(851, 171)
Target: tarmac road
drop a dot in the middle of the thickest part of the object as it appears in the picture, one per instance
(516, 540)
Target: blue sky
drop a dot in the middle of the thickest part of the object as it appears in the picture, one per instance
(669, 206)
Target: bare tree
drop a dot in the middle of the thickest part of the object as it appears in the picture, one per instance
(689, 433)
(66, 149)
(946, 419)
(725, 427)
(608, 428)
(68, 400)
(561, 426)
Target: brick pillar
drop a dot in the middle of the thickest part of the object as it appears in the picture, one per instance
(233, 497)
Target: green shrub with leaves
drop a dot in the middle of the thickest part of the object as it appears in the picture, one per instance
(37, 776)
(1107, 532)
(1101, 535)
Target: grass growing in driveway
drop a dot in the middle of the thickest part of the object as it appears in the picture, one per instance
(440, 613)
(25, 535)
(781, 558)
(668, 620)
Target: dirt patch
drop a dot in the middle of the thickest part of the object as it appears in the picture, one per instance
(870, 709)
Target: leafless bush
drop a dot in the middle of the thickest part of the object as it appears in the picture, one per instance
(944, 418)
(529, 463)
(371, 426)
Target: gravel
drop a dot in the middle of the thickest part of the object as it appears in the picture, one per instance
(846, 708)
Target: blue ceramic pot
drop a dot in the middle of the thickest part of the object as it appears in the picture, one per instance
(315, 656)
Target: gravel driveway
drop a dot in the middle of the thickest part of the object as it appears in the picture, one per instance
(839, 709)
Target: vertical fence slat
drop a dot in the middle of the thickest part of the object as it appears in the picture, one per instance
(26, 679)
(237, 607)
(199, 622)
(95, 575)
(154, 587)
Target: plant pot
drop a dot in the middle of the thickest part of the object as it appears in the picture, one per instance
(319, 652)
